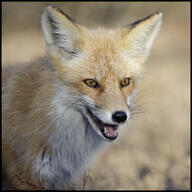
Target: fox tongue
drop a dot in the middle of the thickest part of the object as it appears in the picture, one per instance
(109, 131)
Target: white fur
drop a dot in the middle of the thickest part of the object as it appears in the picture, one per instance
(60, 36)
(72, 143)
(140, 39)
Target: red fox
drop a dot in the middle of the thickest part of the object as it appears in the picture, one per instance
(61, 109)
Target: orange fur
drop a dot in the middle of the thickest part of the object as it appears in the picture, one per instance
(29, 115)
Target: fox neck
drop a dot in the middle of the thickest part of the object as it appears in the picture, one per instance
(72, 142)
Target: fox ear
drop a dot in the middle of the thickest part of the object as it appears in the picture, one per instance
(139, 36)
(61, 33)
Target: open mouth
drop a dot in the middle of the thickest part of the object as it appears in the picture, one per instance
(109, 131)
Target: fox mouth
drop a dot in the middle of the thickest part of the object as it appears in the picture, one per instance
(109, 131)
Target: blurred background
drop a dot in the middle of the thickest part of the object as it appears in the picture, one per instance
(154, 151)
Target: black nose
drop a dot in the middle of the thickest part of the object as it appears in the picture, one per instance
(119, 116)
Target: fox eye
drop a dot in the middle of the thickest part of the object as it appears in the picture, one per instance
(91, 83)
(125, 82)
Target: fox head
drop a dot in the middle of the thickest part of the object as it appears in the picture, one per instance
(101, 67)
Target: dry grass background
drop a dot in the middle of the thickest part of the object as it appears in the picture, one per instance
(154, 151)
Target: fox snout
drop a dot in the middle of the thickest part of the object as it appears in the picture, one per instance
(106, 123)
(107, 120)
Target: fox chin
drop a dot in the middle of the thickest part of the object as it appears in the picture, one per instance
(59, 110)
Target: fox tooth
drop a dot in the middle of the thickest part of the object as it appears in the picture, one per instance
(105, 131)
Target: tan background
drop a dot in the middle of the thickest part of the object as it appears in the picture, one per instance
(154, 151)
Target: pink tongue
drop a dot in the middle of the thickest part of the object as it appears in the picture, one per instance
(110, 131)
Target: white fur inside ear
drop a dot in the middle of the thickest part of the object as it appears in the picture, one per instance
(141, 37)
(59, 31)
(46, 27)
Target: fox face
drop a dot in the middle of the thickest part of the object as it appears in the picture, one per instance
(100, 67)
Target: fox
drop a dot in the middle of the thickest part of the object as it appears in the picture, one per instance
(62, 109)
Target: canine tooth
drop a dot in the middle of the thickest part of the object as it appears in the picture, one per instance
(105, 131)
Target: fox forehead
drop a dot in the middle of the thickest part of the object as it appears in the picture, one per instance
(106, 56)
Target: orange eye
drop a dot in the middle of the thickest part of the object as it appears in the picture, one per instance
(125, 82)
(91, 83)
